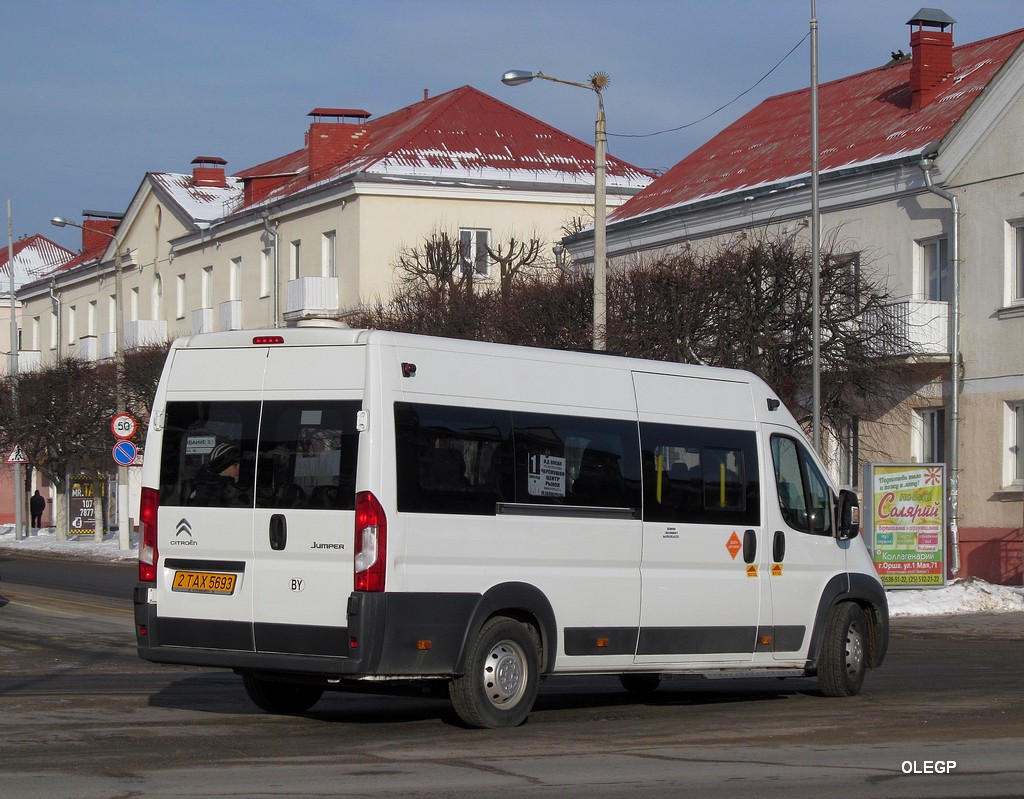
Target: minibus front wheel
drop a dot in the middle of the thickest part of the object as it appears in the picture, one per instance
(501, 680)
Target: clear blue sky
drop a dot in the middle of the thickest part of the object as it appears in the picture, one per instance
(95, 94)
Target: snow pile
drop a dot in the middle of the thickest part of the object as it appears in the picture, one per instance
(959, 596)
(970, 595)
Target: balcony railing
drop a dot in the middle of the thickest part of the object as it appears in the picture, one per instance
(921, 328)
(311, 298)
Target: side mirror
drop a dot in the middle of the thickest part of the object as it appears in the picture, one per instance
(848, 517)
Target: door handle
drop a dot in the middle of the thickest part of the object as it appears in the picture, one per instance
(778, 547)
(278, 532)
(749, 546)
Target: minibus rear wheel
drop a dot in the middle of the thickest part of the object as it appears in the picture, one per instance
(501, 679)
(281, 697)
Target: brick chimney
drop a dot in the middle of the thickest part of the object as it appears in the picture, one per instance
(931, 66)
(97, 228)
(331, 143)
(208, 170)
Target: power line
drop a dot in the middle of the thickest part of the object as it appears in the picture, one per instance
(721, 107)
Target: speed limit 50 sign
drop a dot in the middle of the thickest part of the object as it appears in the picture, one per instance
(124, 426)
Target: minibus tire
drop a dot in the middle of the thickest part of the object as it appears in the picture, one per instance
(502, 676)
(285, 698)
(844, 655)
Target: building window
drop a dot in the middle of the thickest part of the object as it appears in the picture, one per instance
(1015, 440)
(266, 271)
(179, 297)
(930, 432)
(473, 245)
(330, 263)
(90, 322)
(235, 280)
(133, 305)
(54, 328)
(155, 297)
(72, 321)
(206, 288)
(1017, 264)
(112, 313)
(295, 260)
(935, 272)
(37, 343)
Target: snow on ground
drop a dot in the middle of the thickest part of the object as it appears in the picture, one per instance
(969, 595)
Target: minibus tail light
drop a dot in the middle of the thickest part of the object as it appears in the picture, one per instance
(148, 507)
(371, 537)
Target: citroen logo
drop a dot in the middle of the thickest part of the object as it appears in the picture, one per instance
(183, 527)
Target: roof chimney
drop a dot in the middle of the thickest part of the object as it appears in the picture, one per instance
(331, 143)
(931, 66)
(208, 170)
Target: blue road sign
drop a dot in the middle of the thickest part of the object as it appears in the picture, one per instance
(125, 453)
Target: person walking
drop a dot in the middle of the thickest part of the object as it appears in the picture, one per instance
(37, 504)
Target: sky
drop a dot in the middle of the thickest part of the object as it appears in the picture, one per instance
(95, 94)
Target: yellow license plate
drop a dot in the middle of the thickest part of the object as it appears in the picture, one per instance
(204, 582)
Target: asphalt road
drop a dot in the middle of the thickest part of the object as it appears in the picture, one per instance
(82, 716)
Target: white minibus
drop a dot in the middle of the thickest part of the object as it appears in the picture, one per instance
(326, 508)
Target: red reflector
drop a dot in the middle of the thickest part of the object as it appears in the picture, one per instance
(423, 646)
(353, 643)
(143, 631)
(268, 339)
(408, 370)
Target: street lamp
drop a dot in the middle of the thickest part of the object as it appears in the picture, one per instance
(123, 533)
(598, 82)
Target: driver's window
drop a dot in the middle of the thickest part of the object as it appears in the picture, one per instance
(804, 497)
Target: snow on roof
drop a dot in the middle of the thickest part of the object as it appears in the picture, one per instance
(202, 204)
(34, 257)
(864, 119)
(459, 135)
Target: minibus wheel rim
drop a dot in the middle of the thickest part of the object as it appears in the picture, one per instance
(505, 674)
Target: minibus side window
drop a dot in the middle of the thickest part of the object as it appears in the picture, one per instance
(573, 460)
(700, 475)
(453, 460)
(195, 432)
(804, 496)
(307, 455)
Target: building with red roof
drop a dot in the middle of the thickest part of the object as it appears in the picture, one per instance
(315, 232)
(951, 114)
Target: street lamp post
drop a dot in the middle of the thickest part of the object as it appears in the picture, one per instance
(123, 533)
(598, 82)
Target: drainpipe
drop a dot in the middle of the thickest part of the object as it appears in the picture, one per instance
(927, 167)
(277, 268)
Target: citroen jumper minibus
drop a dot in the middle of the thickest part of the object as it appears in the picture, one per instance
(401, 509)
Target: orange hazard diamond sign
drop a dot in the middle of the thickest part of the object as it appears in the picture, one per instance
(734, 545)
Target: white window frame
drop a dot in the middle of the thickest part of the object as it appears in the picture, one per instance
(329, 253)
(90, 323)
(36, 329)
(1015, 263)
(112, 314)
(929, 250)
(266, 269)
(54, 328)
(133, 304)
(206, 288)
(1013, 461)
(179, 297)
(295, 259)
(470, 241)
(235, 279)
(156, 294)
(72, 323)
(926, 423)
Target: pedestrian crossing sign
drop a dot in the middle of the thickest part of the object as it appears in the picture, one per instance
(17, 455)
